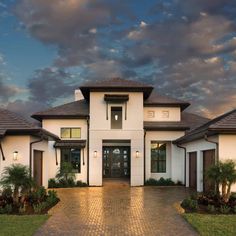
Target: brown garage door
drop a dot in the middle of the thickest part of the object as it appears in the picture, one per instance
(38, 167)
(193, 170)
(208, 161)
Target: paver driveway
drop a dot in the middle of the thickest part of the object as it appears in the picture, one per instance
(117, 209)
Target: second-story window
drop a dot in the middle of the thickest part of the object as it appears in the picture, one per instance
(70, 133)
(116, 117)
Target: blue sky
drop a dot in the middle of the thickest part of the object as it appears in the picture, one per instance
(186, 49)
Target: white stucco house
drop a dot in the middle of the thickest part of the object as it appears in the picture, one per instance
(121, 129)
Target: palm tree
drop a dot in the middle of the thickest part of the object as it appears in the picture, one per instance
(65, 172)
(18, 177)
(224, 174)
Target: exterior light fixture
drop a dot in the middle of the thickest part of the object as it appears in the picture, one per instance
(116, 117)
(137, 154)
(95, 153)
(15, 156)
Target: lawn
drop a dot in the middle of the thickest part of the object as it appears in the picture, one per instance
(20, 225)
(216, 225)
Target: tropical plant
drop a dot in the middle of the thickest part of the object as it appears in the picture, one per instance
(18, 177)
(224, 175)
(65, 172)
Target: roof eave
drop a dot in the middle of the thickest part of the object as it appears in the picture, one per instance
(166, 128)
(86, 90)
(41, 117)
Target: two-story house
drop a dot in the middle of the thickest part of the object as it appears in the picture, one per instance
(119, 129)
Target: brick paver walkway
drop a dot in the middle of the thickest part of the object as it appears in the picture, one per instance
(117, 209)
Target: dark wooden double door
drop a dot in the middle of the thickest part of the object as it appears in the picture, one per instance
(116, 162)
(208, 161)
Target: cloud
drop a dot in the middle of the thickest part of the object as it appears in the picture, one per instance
(50, 84)
(71, 25)
(186, 49)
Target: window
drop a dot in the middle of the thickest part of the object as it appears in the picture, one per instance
(151, 114)
(70, 132)
(116, 117)
(158, 157)
(72, 156)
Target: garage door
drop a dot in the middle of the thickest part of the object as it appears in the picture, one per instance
(193, 170)
(208, 161)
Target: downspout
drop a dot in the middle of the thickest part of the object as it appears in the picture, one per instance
(88, 150)
(3, 156)
(30, 154)
(56, 156)
(217, 147)
(144, 157)
(185, 157)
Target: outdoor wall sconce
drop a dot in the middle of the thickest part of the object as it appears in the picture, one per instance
(137, 154)
(15, 156)
(95, 153)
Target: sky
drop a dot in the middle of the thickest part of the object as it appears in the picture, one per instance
(186, 49)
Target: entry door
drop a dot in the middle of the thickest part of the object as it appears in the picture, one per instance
(38, 167)
(208, 161)
(193, 170)
(116, 162)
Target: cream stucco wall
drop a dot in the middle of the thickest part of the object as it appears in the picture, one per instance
(174, 113)
(100, 129)
(21, 144)
(227, 149)
(54, 126)
(175, 160)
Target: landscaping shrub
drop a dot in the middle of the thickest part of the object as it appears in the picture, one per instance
(189, 204)
(52, 183)
(160, 182)
(234, 210)
(20, 196)
(52, 198)
(81, 184)
(62, 183)
(211, 208)
(224, 209)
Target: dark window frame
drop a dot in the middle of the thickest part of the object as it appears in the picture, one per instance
(69, 150)
(71, 128)
(158, 161)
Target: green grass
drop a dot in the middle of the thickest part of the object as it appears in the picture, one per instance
(216, 225)
(20, 225)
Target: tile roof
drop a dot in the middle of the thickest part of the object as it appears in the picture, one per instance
(10, 120)
(116, 84)
(12, 123)
(188, 121)
(76, 109)
(225, 123)
(156, 99)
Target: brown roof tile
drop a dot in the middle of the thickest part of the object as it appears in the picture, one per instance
(12, 123)
(188, 121)
(77, 109)
(225, 123)
(156, 99)
(116, 84)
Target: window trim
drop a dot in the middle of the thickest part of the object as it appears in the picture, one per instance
(157, 161)
(70, 132)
